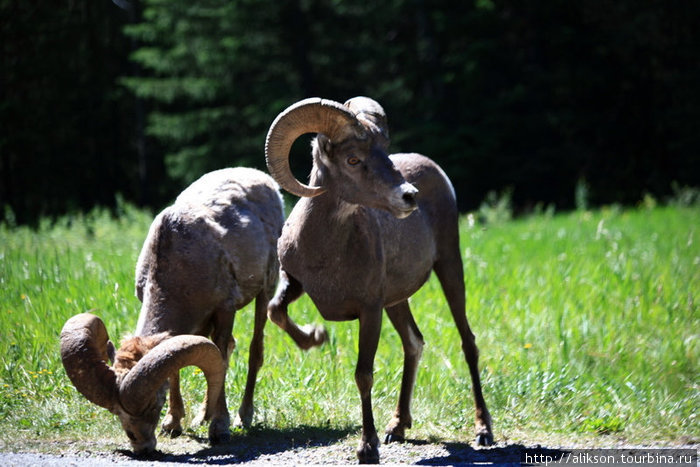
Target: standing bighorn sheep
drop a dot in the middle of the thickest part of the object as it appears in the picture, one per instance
(365, 236)
(209, 254)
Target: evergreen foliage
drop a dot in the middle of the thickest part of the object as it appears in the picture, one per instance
(534, 98)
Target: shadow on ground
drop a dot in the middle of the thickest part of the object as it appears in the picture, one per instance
(295, 445)
(252, 444)
(464, 454)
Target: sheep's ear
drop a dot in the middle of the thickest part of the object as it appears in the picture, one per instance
(323, 147)
(111, 352)
(324, 143)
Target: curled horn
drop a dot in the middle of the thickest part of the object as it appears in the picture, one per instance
(137, 389)
(85, 346)
(313, 115)
(84, 352)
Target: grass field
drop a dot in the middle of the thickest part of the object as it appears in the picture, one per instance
(588, 324)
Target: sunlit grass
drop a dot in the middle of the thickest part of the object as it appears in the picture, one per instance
(587, 322)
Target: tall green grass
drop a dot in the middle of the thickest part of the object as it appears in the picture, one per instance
(587, 322)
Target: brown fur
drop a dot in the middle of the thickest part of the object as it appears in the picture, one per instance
(133, 349)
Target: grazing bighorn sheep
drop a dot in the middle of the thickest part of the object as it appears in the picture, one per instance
(209, 254)
(365, 236)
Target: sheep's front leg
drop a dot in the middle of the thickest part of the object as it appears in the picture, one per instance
(176, 410)
(255, 361)
(288, 290)
(370, 328)
(412, 341)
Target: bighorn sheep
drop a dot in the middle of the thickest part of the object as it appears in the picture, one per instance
(209, 254)
(365, 236)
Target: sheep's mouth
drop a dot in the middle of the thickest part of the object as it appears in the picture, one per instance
(147, 452)
(402, 209)
(405, 212)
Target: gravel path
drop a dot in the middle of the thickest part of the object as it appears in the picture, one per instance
(298, 447)
(341, 453)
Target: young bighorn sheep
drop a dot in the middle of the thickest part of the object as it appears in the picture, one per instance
(365, 236)
(209, 254)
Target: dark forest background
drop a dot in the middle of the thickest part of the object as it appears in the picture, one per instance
(132, 100)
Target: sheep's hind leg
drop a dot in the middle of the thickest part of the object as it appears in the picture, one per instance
(412, 341)
(176, 410)
(451, 277)
(255, 361)
(216, 411)
(288, 290)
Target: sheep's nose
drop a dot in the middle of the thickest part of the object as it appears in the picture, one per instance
(409, 198)
(409, 194)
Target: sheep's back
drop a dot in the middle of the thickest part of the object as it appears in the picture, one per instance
(243, 208)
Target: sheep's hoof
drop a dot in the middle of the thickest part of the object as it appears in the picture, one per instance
(171, 426)
(172, 432)
(244, 419)
(396, 429)
(393, 438)
(484, 439)
(314, 336)
(219, 432)
(320, 335)
(219, 438)
(368, 453)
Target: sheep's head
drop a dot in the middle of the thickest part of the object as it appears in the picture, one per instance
(134, 388)
(349, 153)
(139, 428)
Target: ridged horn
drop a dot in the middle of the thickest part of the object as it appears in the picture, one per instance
(139, 386)
(313, 115)
(84, 348)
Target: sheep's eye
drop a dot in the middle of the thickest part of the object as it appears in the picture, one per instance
(353, 160)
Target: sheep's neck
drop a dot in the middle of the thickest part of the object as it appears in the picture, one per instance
(332, 252)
